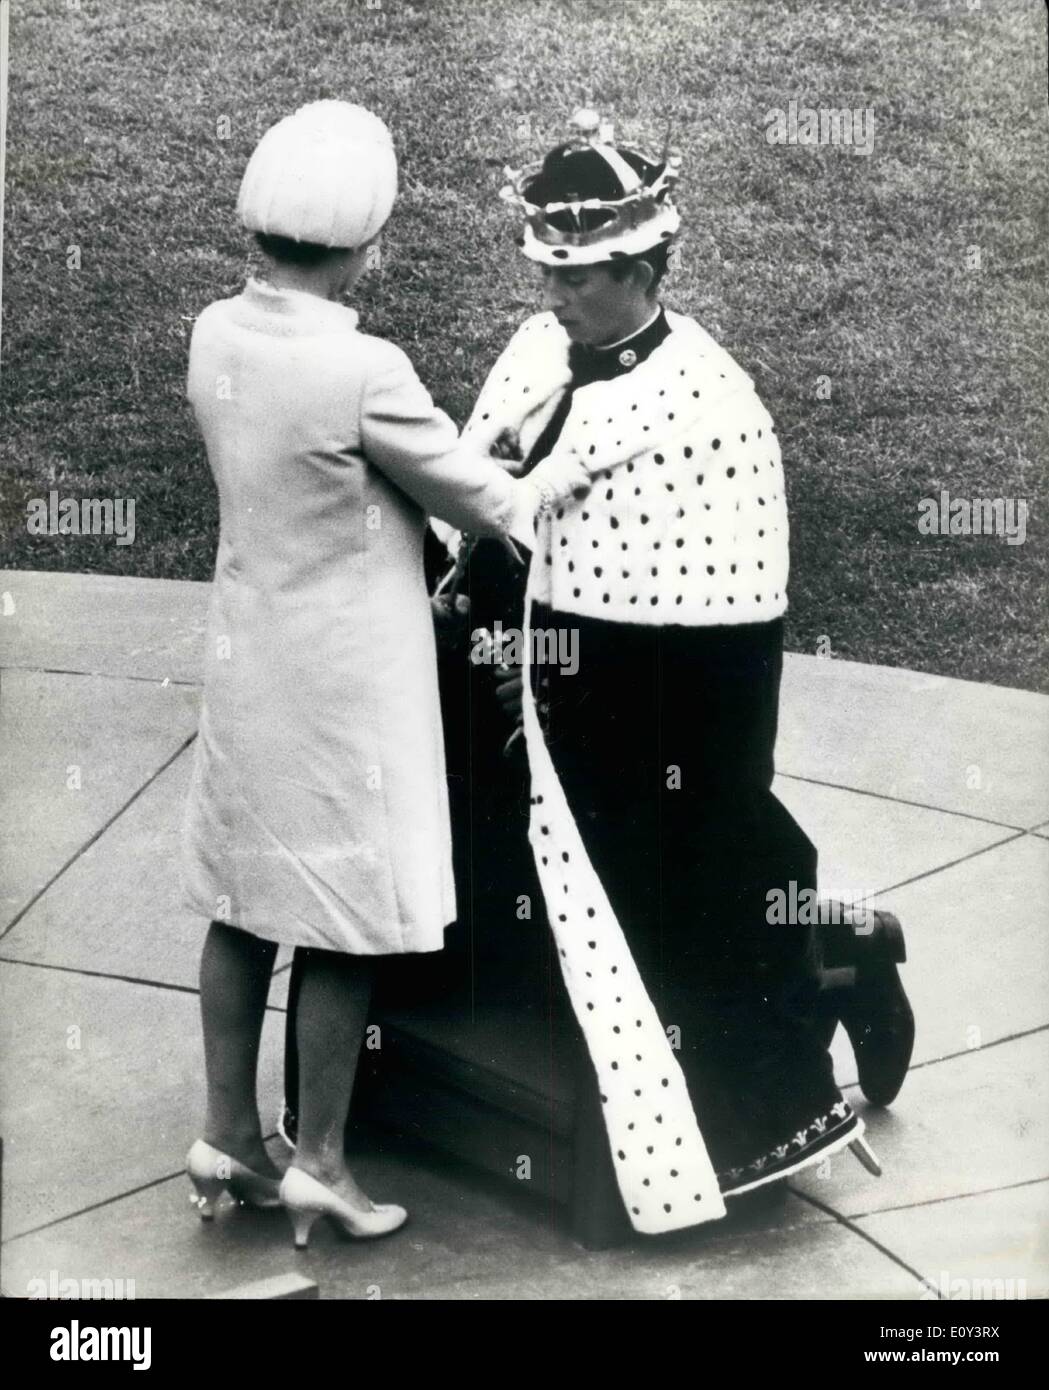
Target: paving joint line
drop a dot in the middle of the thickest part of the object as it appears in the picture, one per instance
(99, 974)
(108, 1201)
(962, 1052)
(952, 863)
(97, 835)
(116, 978)
(103, 675)
(898, 800)
(953, 1197)
(849, 1224)
(969, 1051)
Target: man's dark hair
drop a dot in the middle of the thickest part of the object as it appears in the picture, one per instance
(657, 257)
(284, 248)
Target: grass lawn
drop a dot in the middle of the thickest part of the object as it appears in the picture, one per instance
(807, 263)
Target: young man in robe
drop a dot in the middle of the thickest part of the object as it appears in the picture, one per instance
(656, 836)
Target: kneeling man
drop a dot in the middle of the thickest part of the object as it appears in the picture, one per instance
(656, 836)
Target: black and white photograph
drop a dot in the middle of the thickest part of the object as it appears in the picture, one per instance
(524, 661)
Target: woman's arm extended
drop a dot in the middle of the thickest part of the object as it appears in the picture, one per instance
(416, 445)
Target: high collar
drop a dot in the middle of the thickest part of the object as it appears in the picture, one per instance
(624, 342)
(589, 364)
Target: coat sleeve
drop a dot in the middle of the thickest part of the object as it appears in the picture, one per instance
(562, 474)
(416, 445)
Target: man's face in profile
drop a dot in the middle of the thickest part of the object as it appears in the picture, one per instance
(590, 305)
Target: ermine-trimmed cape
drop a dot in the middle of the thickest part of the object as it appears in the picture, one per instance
(685, 522)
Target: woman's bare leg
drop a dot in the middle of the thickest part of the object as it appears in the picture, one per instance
(235, 970)
(332, 1012)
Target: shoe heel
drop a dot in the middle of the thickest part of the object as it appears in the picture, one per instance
(892, 935)
(866, 1155)
(206, 1193)
(302, 1224)
(882, 942)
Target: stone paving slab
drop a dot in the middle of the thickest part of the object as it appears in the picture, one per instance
(978, 945)
(867, 843)
(106, 624)
(978, 750)
(974, 1123)
(118, 910)
(112, 735)
(976, 920)
(992, 1235)
(83, 1125)
(467, 1238)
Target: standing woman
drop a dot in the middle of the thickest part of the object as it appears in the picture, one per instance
(317, 816)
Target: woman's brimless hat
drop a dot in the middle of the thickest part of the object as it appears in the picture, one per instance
(591, 201)
(325, 174)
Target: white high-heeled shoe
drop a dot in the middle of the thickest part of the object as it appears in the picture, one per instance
(305, 1199)
(211, 1172)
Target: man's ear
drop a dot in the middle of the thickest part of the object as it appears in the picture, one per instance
(644, 276)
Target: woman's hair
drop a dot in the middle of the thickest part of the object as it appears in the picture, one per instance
(657, 257)
(284, 248)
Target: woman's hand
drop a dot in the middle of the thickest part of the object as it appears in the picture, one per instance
(563, 474)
